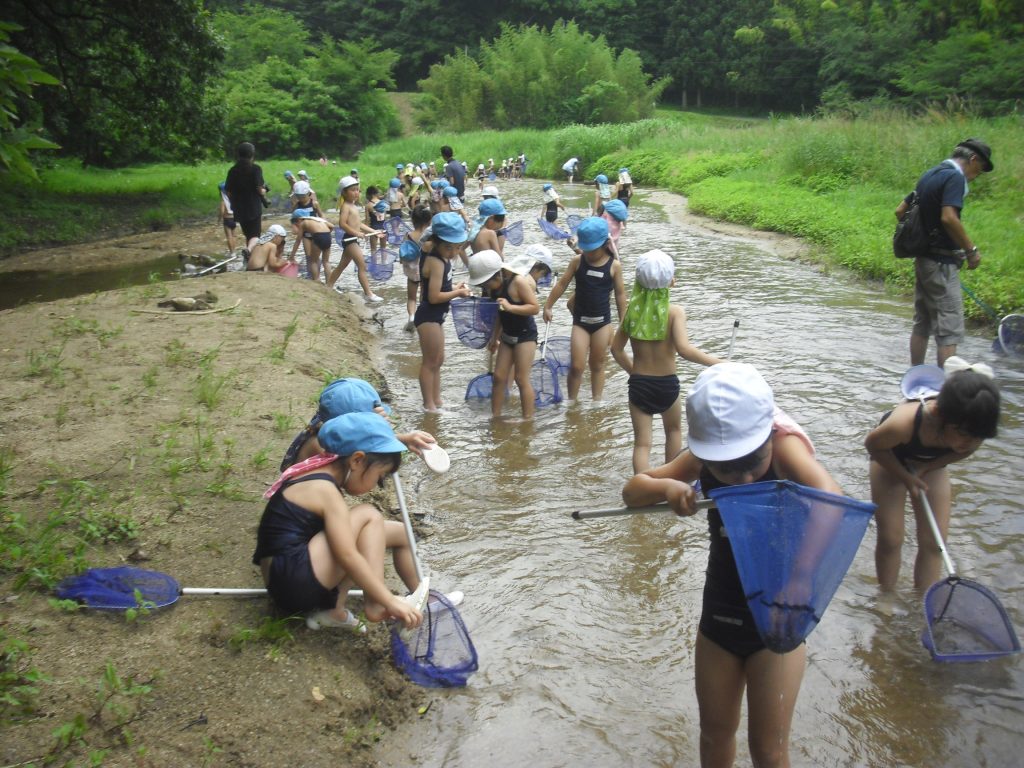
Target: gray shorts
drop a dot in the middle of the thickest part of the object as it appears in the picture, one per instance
(938, 302)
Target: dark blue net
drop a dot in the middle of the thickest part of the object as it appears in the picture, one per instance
(474, 319)
(1011, 335)
(573, 220)
(544, 377)
(557, 350)
(381, 265)
(480, 387)
(514, 233)
(792, 546)
(965, 622)
(396, 230)
(553, 231)
(119, 588)
(439, 653)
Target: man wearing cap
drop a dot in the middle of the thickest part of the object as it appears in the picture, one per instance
(938, 302)
(454, 172)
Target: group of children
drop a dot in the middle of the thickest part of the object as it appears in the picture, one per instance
(312, 547)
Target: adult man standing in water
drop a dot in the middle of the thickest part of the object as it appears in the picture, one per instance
(938, 301)
(247, 192)
(454, 172)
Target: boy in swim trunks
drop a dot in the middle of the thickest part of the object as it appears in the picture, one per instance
(737, 435)
(315, 235)
(656, 331)
(268, 254)
(349, 221)
(598, 274)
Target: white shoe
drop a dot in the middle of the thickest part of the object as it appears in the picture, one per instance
(322, 619)
(373, 298)
(417, 600)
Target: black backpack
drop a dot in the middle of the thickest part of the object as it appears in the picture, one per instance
(911, 238)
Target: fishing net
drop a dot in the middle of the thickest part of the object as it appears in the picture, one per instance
(552, 231)
(1011, 335)
(573, 220)
(514, 233)
(396, 230)
(557, 351)
(965, 622)
(779, 529)
(120, 588)
(544, 378)
(438, 653)
(480, 387)
(474, 320)
(381, 265)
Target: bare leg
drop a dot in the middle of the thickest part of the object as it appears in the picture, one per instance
(432, 348)
(312, 261)
(523, 354)
(642, 438)
(944, 352)
(599, 342)
(918, 348)
(720, 682)
(773, 684)
(502, 368)
(890, 495)
(928, 564)
(579, 346)
(671, 420)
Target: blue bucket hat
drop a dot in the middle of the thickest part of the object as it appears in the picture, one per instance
(289, 175)
(399, 166)
(438, 183)
(623, 170)
(381, 207)
(592, 233)
(301, 213)
(617, 210)
(451, 192)
(601, 179)
(546, 187)
(348, 396)
(366, 432)
(449, 227)
(491, 207)
(395, 183)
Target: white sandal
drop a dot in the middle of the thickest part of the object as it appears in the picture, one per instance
(322, 619)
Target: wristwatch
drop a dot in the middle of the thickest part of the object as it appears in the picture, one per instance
(972, 251)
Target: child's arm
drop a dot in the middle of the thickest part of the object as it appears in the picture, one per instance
(895, 430)
(295, 245)
(681, 338)
(523, 289)
(619, 350)
(434, 270)
(560, 286)
(670, 482)
(620, 289)
(794, 461)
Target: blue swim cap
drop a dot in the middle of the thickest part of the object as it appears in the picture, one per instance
(366, 432)
(395, 183)
(601, 179)
(348, 396)
(617, 210)
(592, 233)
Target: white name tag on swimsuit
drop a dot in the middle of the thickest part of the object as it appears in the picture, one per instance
(591, 320)
(594, 273)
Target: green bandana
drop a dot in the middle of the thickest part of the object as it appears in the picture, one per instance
(647, 315)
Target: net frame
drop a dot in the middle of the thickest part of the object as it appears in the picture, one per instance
(558, 351)
(439, 653)
(514, 233)
(964, 621)
(544, 378)
(120, 588)
(549, 229)
(1011, 335)
(381, 265)
(474, 318)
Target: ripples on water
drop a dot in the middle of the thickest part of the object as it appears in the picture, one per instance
(585, 629)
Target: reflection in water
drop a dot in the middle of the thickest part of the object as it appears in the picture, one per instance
(586, 629)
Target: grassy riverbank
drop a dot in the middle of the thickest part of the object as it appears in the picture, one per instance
(832, 182)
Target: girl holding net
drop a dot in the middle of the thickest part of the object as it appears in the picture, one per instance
(910, 450)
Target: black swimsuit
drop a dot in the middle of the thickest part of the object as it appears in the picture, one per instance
(515, 329)
(427, 312)
(914, 451)
(594, 286)
(284, 535)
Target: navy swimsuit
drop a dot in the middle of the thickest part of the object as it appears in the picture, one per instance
(515, 328)
(915, 452)
(594, 286)
(284, 535)
(427, 312)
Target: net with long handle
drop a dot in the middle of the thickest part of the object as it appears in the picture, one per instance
(119, 588)
(558, 351)
(514, 233)
(792, 545)
(396, 229)
(1011, 335)
(966, 622)
(552, 231)
(474, 319)
(381, 264)
(439, 653)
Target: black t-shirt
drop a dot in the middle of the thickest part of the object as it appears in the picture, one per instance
(457, 176)
(938, 187)
(243, 189)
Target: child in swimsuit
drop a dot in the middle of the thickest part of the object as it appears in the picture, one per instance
(348, 220)
(374, 217)
(444, 244)
(910, 450)
(311, 546)
(395, 198)
(736, 435)
(551, 204)
(315, 235)
(597, 274)
(513, 284)
(268, 254)
(602, 193)
(624, 189)
(410, 254)
(484, 235)
(656, 332)
(615, 213)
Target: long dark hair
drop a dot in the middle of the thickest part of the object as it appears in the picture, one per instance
(970, 402)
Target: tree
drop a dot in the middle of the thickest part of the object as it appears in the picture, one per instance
(19, 76)
(133, 75)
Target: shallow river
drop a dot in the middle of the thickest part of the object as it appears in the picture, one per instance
(585, 630)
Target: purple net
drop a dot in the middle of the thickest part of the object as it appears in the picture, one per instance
(792, 546)
(553, 231)
(439, 653)
(966, 623)
(474, 320)
(557, 350)
(396, 230)
(118, 589)
(381, 265)
(514, 233)
(544, 377)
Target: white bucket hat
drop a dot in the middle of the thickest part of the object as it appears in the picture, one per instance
(729, 412)
(541, 254)
(483, 265)
(490, 191)
(655, 269)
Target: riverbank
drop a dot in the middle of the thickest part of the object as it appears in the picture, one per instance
(137, 437)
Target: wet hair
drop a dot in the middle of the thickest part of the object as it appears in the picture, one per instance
(371, 191)
(446, 152)
(969, 402)
(420, 216)
(245, 151)
(499, 218)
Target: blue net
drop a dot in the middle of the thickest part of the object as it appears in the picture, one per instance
(514, 233)
(552, 231)
(779, 529)
(1011, 335)
(573, 220)
(557, 350)
(381, 265)
(120, 588)
(396, 230)
(966, 623)
(339, 237)
(544, 377)
(439, 653)
(474, 320)
(480, 387)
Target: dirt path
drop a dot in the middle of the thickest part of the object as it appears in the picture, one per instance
(136, 438)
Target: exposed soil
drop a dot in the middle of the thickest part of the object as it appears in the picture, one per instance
(114, 418)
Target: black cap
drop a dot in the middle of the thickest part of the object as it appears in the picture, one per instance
(980, 148)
